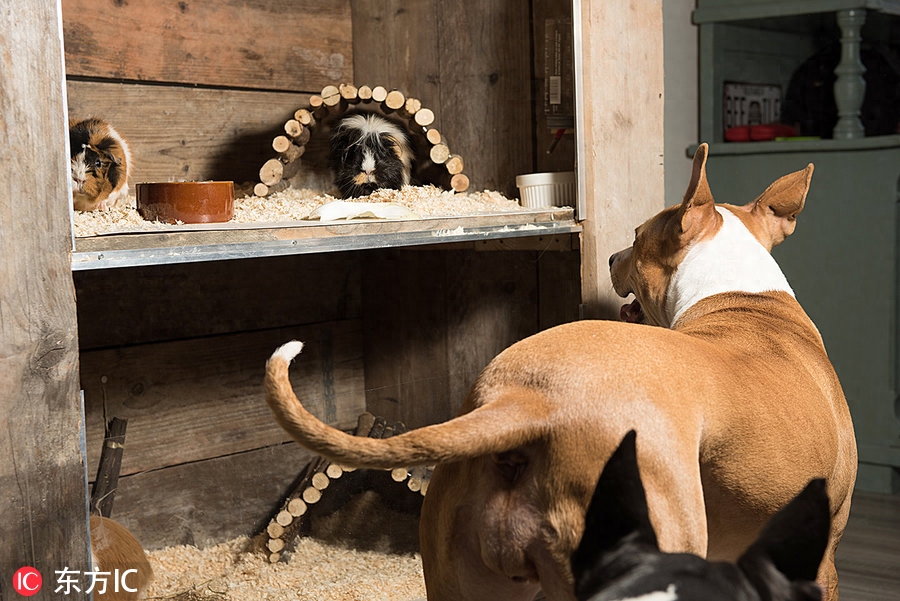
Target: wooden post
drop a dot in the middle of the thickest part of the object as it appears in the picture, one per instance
(439, 153)
(293, 128)
(620, 141)
(42, 473)
(305, 118)
(287, 150)
(349, 92)
(379, 93)
(107, 481)
(364, 93)
(411, 107)
(394, 101)
(331, 95)
(424, 117)
(271, 172)
(454, 164)
(850, 87)
(459, 182)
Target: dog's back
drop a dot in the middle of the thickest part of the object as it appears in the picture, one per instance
(619, 558)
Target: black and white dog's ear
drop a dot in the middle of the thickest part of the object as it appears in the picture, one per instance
(617, 513)
(793, 542)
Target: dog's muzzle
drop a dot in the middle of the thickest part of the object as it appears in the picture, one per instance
(618, 263)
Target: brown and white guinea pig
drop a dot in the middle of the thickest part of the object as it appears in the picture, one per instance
(100, 164)
(368, 152)
(113, 548)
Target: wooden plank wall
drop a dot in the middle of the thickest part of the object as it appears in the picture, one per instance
(435, 318)
(184, 134)
(179, 352)
(41, 469)
(471, 62)
(199, 398)
(622, 141)
(200, 89)
(179, 349)
(270, 45)
(204, 460)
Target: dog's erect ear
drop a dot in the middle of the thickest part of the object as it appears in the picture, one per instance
(777, 208)
(618, 511)
(698, 208)
(793, 541)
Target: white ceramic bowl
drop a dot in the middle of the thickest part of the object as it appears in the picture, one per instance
(547, 189)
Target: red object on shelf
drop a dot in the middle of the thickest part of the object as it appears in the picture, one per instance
(759, 133)
(770, 131)
(740, 133)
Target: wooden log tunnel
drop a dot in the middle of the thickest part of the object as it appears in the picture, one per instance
(444, 168)
(319, 478)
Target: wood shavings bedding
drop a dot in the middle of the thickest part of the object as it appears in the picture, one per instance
(296, 204)
(316, 572)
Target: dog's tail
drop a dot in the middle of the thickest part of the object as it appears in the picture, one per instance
(502, 425)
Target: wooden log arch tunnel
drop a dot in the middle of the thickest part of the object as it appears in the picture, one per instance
(324, 487)
(435, 163)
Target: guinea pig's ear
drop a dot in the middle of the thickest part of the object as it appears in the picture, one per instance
(342, 135)
(109, 156)
(341, 143)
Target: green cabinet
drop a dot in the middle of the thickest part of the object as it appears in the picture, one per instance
(842, 260)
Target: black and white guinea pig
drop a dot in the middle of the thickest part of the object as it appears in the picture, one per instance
(100, 164)
(368, 152)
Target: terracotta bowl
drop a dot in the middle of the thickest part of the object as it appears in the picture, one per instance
(186, 202)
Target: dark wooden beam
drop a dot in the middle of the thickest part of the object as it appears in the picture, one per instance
(41, 468)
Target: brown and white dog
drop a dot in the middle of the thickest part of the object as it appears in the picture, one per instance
(735, 402)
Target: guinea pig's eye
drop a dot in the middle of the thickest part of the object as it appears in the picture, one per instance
(98, 163)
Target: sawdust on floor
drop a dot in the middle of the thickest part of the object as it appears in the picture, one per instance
(365, 550)
(297, 204)
(316, 571)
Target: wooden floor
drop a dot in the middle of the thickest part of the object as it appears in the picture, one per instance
(868, 560)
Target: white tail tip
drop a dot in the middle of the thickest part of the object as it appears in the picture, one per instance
(288, 351)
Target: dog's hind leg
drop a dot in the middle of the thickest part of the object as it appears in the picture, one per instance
(452, 554)
(827, 576)
(670, 470)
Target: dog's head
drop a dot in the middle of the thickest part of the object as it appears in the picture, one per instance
(734, 240)
(619, 559)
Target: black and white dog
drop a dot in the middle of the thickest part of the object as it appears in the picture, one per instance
(618, 558)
